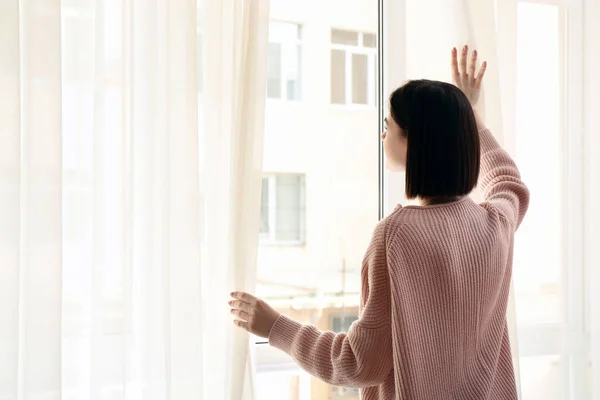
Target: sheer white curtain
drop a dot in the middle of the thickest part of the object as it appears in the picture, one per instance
(235, 37)
(130, 157)
(591, 123)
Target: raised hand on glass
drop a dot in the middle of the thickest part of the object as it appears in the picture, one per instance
(466, 75)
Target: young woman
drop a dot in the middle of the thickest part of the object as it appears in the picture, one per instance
(435, 279)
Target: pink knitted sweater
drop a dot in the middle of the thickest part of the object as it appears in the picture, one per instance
(435, 283)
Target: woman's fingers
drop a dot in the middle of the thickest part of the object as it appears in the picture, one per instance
(241, 324)
(466, 74)
(248, 298)
(240, 314)
(454, 66)
(252, 314)
(242, 305)
(473, 65)
(465, 71)
(463, 61)
(480, 75)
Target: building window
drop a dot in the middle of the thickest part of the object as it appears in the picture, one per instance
(282, 209)
(284, 61)
(353, 67)
(341, 323)
(342, 393)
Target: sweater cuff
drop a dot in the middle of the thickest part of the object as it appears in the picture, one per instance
(283, 332)
(488, 141)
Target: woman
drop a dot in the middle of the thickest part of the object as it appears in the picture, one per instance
(435, 279)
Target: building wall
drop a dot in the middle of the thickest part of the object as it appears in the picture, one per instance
(334, 146)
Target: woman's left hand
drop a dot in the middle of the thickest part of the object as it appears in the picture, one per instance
(254, 315)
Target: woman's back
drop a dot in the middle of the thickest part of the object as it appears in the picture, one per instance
(447, 268)
(449, 272)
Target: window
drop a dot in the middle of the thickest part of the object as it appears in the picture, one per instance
(284, 62)
(342, 323)
(282, 208)
(353, 67)
(329, 203)
(341, 393)
(539, 250)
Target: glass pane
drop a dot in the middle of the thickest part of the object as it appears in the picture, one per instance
(285, 36)
(360, 79)
(274, 71)
(369, 40)
(541, 378)
(538, 249)
(338, 77)
(538, 253)
(264, 207)
(334, 152)
(342, 323)
(281, 386)
(291, 68)
(344, 37)
(340, 393)
(289, 192)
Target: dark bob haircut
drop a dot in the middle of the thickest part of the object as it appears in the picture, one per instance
(442, 155)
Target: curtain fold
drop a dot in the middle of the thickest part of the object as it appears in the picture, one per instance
(130, 164)
(591, 123)
(10, 196)
(41, 189)
(31, 200)
(233, 105)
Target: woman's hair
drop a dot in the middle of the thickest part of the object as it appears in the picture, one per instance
(442, 155)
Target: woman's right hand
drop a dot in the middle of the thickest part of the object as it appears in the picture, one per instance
(467, 78)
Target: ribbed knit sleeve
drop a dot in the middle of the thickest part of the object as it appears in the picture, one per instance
(500, 180)
(363, 356)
